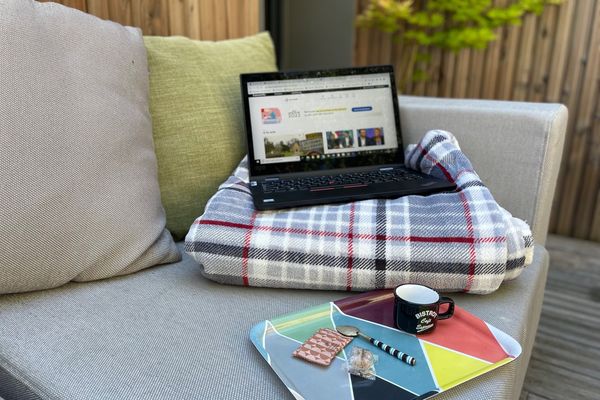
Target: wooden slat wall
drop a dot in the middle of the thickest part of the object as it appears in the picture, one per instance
(554, 57)
(197, 19)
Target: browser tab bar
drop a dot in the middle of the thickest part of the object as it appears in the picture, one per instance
(308, 85)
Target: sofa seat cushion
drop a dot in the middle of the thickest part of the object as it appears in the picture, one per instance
(169, 333)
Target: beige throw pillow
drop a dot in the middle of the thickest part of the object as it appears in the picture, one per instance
(79, 195)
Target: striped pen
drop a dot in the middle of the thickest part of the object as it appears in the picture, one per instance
(352, 331)
(410, 360)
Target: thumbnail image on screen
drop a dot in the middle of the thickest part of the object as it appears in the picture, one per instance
(370, 137)
(340, 140)
(308, 144)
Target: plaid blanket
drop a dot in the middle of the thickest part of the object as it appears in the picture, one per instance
(458, 241)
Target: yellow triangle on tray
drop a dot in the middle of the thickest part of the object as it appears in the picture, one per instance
(452, 368)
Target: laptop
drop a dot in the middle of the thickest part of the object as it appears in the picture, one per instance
(327, 136)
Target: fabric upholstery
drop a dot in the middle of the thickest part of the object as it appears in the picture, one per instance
(197, 116)
(79, 195)
(515, 147)
(454, 241)
(168, 333)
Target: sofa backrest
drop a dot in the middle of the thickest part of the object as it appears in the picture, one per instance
(515, 147)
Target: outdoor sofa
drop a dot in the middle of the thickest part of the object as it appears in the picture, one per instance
(169, 333)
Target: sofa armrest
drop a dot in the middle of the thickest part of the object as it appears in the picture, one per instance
(515, 147)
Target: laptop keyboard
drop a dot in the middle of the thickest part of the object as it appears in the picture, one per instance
(343, 180)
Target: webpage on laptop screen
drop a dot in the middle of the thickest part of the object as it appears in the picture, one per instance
(298, 119)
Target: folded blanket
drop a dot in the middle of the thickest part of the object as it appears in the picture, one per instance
(458, 241)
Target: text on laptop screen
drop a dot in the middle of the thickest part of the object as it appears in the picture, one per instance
(294, 120)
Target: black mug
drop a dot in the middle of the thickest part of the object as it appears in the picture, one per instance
(416, 308)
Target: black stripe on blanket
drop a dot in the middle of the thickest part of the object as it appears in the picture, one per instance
(515, 263)
(380, 245)
(436, 139)
(470, 184)
(247, 191)
(341, 262)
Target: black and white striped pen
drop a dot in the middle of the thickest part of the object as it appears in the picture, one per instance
(353, 332)
(410, 360)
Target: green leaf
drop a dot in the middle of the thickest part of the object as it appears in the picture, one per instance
(446, 24)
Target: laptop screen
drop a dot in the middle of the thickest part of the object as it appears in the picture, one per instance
(321, 119)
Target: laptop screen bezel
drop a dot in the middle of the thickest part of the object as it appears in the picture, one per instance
(359, 160)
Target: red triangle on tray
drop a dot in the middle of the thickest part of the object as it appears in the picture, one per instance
(464, 332)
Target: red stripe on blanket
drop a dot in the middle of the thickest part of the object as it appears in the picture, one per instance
(361, 236)
(468, 218)
(246, 249)
(350, 248)
(472, 254)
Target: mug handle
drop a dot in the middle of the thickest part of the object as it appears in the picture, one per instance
(450, 312)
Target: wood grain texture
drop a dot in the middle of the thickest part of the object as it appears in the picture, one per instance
(233, 10)
(583, 138)
(462, 77)
(553, 57)
(252, 14)
(434, 73)
(508, 62)
(120, 11)
(556, 78)
(491, 68)
(192, 17)
(99, 8)
(197, 19)
(221, 28)
(207, 20)
(595, 230)
(494, 55)
(78, 4)
(569, 178)
(178, 18)
(542, 53)
(523, 67)
(564, 361)
(475, 73)
(447, 75)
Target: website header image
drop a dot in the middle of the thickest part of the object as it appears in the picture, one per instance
(370, 137)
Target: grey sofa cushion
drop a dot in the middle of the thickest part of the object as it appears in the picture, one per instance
(168, 333)
(79, 195)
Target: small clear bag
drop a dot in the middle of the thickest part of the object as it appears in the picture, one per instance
(362, 363)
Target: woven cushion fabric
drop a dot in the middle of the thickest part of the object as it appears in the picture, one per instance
(79, 195)
(167, 333)
(197, 118)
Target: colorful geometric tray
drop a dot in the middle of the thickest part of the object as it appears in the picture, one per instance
(459, 349)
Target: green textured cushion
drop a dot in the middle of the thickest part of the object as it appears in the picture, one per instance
(197, 116)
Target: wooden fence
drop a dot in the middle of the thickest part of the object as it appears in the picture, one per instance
(197, 19)
(554, 57)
